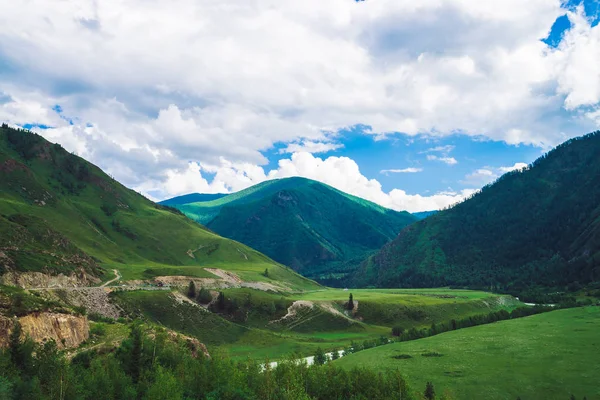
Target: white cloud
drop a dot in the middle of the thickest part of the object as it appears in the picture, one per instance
(340, 172)
(483, 176)
(311, 147)
(447, 160)
(166, 83)
(441, 149)
(516, 167)
(410, 170)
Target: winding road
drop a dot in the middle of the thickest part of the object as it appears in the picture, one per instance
(117, 277)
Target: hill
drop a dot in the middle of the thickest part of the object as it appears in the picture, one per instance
(61, 214)
(424, 214)
(192, 198)
(535, 227)
(546, 356)
(317, 230)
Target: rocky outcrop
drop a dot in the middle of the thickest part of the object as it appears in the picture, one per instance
(40, 280)
(193, 344)
(66, 330)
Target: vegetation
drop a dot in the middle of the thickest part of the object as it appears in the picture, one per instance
(315, 229)
(59, 213)
(547, 356)
(539, 227)
(151, 365)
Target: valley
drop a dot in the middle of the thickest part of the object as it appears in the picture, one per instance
(94, 268)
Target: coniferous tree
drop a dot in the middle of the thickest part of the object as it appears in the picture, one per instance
(16, 346)
(192, 290)
(350, 304)
(429, 391)
(221, 304)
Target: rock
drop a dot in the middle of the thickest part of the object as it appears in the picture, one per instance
(67, 330)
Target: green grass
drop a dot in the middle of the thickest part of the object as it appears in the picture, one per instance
(546, 356)
(257, 338)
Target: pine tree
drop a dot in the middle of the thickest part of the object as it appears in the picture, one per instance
(335, 355)
(135, 361)
(429, 391)
(192, 290)
(221, 301)
(266, 273)
(350, 304)
(15, 345)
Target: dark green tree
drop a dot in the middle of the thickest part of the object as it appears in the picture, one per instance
(135, 357)
(192, 290)
(16, 346)
(320, 357)
(350, 304)
(397, 330)
(266, 273)
(204, 296)
(221, 302)
(335, 354)
(429, 391)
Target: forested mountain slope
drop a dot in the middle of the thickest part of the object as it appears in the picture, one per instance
(59, 213)
(539, 226)
(309, 226)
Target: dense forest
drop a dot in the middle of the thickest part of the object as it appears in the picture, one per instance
(539, 227)
(149, 365)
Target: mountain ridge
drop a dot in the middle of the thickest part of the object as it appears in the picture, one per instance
(535, 227)
(310, 226)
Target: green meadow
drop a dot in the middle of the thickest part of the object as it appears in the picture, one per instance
(546, 356)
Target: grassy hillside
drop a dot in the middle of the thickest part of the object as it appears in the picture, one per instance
(546, 356)
(59, 213)
(311, 227)
(540, 226)
(262, 325)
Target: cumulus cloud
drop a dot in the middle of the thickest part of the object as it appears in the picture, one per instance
(155, 92)
(342, 173)
(447, 160)
(483, 176)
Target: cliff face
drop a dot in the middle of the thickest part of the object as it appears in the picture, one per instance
(68, 331)
(40, 280)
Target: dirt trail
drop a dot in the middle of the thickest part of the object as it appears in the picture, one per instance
(181, 298)
(117, 277)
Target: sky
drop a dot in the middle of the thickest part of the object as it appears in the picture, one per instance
(414, 105)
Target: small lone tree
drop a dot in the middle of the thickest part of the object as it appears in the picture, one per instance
(266, 273)
(192, 290)
(335, 354)
(429, 391)
(397, 330)
(204, 296)
(350, 304)
(320, 357)
(16, 353)
(221, 301)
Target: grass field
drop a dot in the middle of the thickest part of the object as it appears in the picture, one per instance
(546, 356)
(257, 337)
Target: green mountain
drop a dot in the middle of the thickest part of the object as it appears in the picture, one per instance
(192, 198)
(60, 214)
(536, 227)
(424, 214)
(317, 230)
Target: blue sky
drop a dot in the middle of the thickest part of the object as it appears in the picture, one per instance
(413, 105)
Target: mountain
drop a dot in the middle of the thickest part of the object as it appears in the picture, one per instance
(424, 214)
(61, 214)
(317, 230)
(535, 227)
(192, 198)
